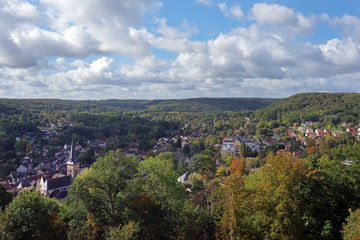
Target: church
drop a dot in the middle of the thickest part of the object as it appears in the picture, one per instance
(57, 187)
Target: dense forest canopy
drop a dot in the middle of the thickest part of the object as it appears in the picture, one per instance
(331, 107)
(181, 105)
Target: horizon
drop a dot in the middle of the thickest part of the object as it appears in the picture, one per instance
(166, 49)
(174, 99)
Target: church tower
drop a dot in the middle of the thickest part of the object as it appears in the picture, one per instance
(72, 166)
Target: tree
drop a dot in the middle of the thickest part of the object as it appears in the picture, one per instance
(243, 150)
(5, 197)
(30, 216)
(28, 148)
(105, 187)
(235, 210)
(161, 186)
(21, 145)
(127, 231)
(351, 230)
(187, 149)
(280, 207)
(238, 166)
(195, 163)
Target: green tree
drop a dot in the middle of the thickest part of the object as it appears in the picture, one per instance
(243, 150)
(5, 197)
(105, 187)
(127, 231)
(21, 145)
(30, 216)
(160, 182)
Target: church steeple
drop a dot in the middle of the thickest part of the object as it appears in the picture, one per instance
(72, 156)
(72, 166)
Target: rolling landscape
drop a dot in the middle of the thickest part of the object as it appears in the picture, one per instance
(179, 120)
(204, 168)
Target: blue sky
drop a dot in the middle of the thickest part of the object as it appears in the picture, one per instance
(153, 49)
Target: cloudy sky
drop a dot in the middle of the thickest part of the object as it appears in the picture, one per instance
(159, 49)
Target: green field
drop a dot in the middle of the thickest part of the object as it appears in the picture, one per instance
(2, 133)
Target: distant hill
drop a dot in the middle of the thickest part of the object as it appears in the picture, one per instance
(330, 107)
(181, 105)
(190, 105)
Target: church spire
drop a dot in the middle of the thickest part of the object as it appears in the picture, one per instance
(72, 156)
(72, 166)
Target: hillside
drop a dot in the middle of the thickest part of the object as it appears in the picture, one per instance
(190, 105)
(330, 107)
(181, 105)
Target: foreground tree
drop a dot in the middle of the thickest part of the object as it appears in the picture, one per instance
(351, 230)
(5, 197)
(105, 188)
(177, 216)
(30, 216)
(278, 196)
(267, 204)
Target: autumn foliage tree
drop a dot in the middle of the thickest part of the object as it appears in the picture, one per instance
(238, 166)
(279, 201)
(267, 204)
(351, 230)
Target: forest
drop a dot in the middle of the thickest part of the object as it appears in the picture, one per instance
(270, 193)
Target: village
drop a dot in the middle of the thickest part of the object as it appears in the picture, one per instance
(54, 174)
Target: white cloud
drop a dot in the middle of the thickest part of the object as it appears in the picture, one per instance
(234, 11)
(205, 2)
(264, 59)
(20, 9)
(71, 29)
(281, 17)
(172, 39)
(350, 26)
(343, 55)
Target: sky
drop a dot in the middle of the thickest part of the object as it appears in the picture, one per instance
(176, 49)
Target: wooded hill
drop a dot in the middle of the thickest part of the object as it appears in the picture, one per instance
(174, 105)
(190, 105)
(333, 108)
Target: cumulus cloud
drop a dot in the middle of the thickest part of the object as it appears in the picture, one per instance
(173, 39)
(44, 51)
(71, 29)
(234, 11)
(350, 26)
(281, 17)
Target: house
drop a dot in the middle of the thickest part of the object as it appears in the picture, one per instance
(310, 135)
(134, 147)
(267, 142)
(318, 130)
(17, 176)
(25, 183)
(352, 131)
(291, 133)
(228, 146)
(185, 178)
(99, 153)
(321, 134)
(336, 134)
(22, 169)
